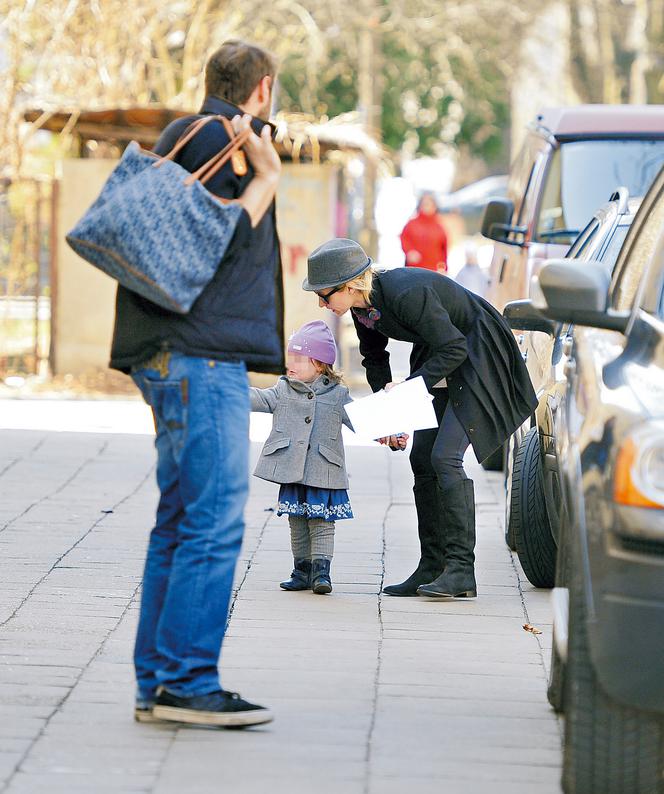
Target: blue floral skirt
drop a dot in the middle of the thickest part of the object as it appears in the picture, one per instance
(330, 504)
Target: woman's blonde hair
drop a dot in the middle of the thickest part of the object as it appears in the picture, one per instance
(363, 284)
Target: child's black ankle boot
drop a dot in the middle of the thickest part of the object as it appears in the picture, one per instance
(300, 578)
(320, 576)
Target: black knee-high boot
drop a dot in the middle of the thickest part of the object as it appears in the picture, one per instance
(430, 528)
(458, 578)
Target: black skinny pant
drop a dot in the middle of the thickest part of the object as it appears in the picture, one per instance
(439, 452)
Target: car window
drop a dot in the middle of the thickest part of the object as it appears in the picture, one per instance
(520, 173)
(524, 176)
(583, 174)
(637, 257)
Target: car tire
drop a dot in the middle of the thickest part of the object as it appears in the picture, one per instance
(510, 450)
(555, 690)
(609, 748)
(495, 461)
(534, 542)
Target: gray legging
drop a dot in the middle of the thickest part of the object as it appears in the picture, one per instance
(439, 452)
(311, 538)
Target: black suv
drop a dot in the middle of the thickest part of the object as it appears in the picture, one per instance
(532, 490)
(607, 667)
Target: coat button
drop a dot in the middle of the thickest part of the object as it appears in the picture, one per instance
(471, 429)
(326, 381)
(307, 419)
(310, 396)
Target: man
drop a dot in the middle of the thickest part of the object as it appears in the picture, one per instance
(423, 238)
(192, 370)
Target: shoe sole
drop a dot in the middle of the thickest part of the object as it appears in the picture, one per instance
(144, 715)
(231, 719)
(322, 589)
(400, 595)
(465, 594)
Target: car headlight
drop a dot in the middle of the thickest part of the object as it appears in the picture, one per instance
(639, 472)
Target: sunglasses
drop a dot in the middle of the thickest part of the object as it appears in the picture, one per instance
(326, 298)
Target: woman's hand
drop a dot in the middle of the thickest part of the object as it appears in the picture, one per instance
(395, 442)
(389, 386)
(265, 161)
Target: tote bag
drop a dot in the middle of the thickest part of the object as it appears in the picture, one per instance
(155, 228)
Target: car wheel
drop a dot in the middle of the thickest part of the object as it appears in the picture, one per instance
(495, 461)
(510, 449)
(609, 748)
(555, 691)
(534, 542)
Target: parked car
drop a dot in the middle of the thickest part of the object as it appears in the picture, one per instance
(571, 160)
(469, 201)
(532, 488)
(608, 643)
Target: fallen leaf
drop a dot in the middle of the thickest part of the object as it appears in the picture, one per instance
(531, 629)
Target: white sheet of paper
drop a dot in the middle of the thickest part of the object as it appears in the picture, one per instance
(403, 409)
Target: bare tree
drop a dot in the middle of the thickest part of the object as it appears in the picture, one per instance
(436, 57)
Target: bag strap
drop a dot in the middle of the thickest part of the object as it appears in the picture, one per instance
(188, 134)
(214, 164)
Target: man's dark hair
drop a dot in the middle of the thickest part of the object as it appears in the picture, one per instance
(236, 68)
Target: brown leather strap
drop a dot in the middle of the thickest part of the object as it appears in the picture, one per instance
(188, 134)
(210, 168)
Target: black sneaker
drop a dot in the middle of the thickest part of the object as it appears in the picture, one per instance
(224, 709)
(143, 711)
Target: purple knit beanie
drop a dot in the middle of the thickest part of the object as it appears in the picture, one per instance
(314, 340)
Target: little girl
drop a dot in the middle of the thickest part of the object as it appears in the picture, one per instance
(305, 453)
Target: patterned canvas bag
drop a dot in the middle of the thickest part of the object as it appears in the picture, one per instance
(156, 228)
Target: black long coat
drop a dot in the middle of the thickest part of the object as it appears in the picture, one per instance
(458, 336)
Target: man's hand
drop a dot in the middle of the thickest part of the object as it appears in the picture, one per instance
(260, 150)
(389, 386)
(259, 193)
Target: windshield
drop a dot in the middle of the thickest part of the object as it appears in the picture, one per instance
(583, 174)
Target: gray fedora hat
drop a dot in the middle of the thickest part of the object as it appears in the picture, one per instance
(335, 262)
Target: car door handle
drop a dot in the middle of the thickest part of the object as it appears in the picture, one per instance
(502, 269)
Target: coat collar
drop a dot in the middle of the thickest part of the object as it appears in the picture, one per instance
(222, 107)
(321, 385)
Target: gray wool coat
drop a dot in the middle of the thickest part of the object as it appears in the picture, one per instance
(305, 445)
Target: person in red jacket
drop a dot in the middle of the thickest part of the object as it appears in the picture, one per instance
(423, 238)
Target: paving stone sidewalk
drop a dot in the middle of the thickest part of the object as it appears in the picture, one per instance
(373, 695)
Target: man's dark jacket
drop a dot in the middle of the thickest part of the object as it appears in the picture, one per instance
(239, 314)
(458, 336)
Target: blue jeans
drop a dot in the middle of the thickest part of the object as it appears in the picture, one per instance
(201, 409)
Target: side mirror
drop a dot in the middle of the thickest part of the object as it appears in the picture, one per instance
(571, 292)
(523, 316)
(496, 221)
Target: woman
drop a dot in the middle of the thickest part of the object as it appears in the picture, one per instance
(423, 238)
(469, 360)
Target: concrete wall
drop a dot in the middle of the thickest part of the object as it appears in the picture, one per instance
(85, 297)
